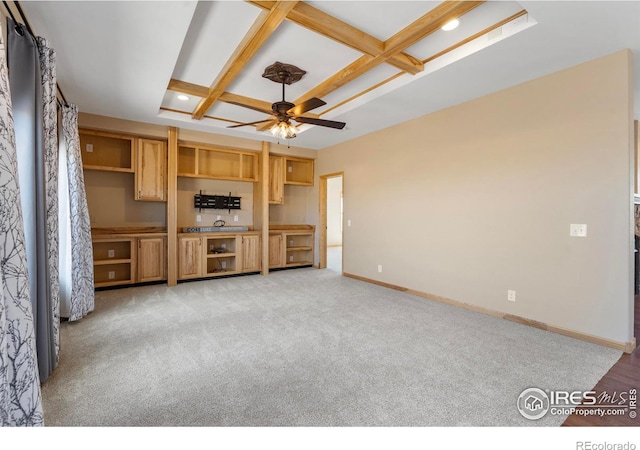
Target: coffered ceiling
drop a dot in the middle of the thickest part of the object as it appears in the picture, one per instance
(374, 63)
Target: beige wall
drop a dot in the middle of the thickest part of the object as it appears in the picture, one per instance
(474, 200)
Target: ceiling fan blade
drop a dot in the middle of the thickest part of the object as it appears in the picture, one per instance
(267, 125)
(303, 107)
(321, 122)
(250, 123)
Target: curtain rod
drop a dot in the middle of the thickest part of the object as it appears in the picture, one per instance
(25, 22)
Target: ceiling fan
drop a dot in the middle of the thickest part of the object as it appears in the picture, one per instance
(284, 111)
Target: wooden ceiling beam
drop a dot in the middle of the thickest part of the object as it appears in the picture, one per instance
(185, 87)
(328, 26)
(414, 32)
(262, 28)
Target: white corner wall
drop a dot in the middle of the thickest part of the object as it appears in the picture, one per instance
(474, 200)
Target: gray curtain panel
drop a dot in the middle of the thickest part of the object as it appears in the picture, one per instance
(20, 396)
(26, 97)
(50, 139)
(79, 281)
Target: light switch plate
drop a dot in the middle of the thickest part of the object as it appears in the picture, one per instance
(89, 148)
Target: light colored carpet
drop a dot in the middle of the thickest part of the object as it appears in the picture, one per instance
(334, 259)
(303, 347)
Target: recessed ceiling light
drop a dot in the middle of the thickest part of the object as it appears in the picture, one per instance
(451, 25)
(183, 97)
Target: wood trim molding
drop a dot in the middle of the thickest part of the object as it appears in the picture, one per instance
(626, 347)
(172, 206)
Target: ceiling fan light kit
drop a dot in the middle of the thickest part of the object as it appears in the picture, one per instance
(283, 111)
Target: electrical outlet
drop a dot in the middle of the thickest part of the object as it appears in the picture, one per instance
(223, 246)
(291, 243)
(198, 218)
(111, 253)
(212, 248)
(349, 222)
(223, 264)
(511, 295)
(235, 218)
(379, 267)
(578, 230)
(89, 148)
(290, 169)
(112, 275)
(291, 258)
(218, 217)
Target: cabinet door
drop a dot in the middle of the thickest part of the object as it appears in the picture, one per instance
(276, 179)
(150, 170)
(151, 260)
(251, 254)
(190, 257)
(276, 251)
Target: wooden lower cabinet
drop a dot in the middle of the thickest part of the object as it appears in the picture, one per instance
(214, 255)
(251, 254)
(276, 251)
(190, 257)
(151, 259)
(128, 259)
(291, 249)
(114, 261)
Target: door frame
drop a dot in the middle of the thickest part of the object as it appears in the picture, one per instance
(322, 239)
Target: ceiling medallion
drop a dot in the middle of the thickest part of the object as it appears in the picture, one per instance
(283, 73)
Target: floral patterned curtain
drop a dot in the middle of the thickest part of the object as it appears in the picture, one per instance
(79, 281)
(20, 396)
(50, 138)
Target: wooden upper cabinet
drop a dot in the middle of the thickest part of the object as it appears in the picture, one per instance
(276, 179)
(216, 163)
(151, 259)
(106, 151)
(151, 169)
(298, 171)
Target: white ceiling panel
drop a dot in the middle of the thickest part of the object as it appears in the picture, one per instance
(475, 21)
(212, 38)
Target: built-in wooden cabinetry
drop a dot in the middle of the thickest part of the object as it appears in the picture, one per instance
(298, 171)
(114, 261)
(251, 253)
(151, 170)
(120, 259)
(190, 257)
(276, 179)
(218, 254)
(291, 247)
(107, 151)
(288, 170)
(152, 265)
(218, 163)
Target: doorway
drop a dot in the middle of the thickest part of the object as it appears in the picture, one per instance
(331, 222)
